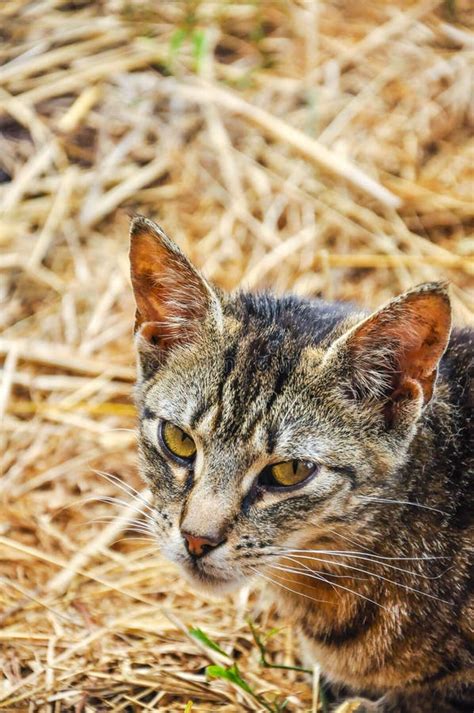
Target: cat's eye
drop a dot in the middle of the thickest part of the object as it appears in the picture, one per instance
(287, 473)
(176, 441)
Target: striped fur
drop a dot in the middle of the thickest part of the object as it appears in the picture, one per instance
(256, 379)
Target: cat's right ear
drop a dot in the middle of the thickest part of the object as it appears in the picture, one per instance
(173, 299)
(392, 356)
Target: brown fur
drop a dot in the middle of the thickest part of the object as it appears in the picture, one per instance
(371, 556)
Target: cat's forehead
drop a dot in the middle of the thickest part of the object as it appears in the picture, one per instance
(248, 392)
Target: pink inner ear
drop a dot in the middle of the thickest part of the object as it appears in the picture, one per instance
(172, 299)
(407, 338)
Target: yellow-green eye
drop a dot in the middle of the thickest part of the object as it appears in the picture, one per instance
(177, 442)
(289, 472)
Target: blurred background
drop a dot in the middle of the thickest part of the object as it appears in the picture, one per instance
(324, 148)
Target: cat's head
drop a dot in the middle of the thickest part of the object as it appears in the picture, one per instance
(266, 421)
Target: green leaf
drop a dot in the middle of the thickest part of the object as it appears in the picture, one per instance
(188, 707)
(201, 636)
(176, 40)
(230, 673)
(272, 632)
(199, 41)
(263, 651)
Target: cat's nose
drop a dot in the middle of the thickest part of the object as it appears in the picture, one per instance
(198, 545)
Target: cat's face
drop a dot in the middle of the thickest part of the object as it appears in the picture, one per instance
(266, 423)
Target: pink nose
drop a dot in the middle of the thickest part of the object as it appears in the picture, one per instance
(197, 545)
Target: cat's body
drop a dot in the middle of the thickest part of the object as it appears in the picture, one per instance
(368, 535)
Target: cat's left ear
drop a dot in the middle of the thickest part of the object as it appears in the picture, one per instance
(393, 355)
(173, 299)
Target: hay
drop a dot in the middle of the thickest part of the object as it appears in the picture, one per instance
(319, 147)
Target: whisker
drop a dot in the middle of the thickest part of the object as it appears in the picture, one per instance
(358, 554)
(144, 531)
(126, 430)
(134, 539)
(116, 481)
(350, 540)
(347, 589)
(309, 573)
(401, 502)
(326, 573)
(111, 500)
(126, 487)
(372, 561)
(358, 594)
(132, 526)
(294, 570)
(377, 576)
(143, 552)
(294, 591)
(108, 499)
(375, 559)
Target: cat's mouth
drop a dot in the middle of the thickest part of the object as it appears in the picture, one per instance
(208, 578)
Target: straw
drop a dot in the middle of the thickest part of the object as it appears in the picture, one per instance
(320, 148)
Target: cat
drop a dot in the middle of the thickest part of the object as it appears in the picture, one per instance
(325, 450)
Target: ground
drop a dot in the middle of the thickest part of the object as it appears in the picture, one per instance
(322, 148)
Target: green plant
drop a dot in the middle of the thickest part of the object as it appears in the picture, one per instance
(232, 674)
(260, 642)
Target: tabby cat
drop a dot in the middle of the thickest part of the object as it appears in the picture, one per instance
(326, 451)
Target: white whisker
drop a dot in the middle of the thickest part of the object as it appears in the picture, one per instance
(326, 573)
(358, 554)
(104, 519)
(347, 589)
(401, 502)
(351, 541)
(373, 559)
(134, 539)
(126, 430)
(111, 500)
(377, 576)
(308, 572)
(294, 591)
(128, 489)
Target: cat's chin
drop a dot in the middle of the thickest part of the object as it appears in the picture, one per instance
(209, 584)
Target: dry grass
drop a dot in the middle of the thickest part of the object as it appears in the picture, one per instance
(319, 147)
